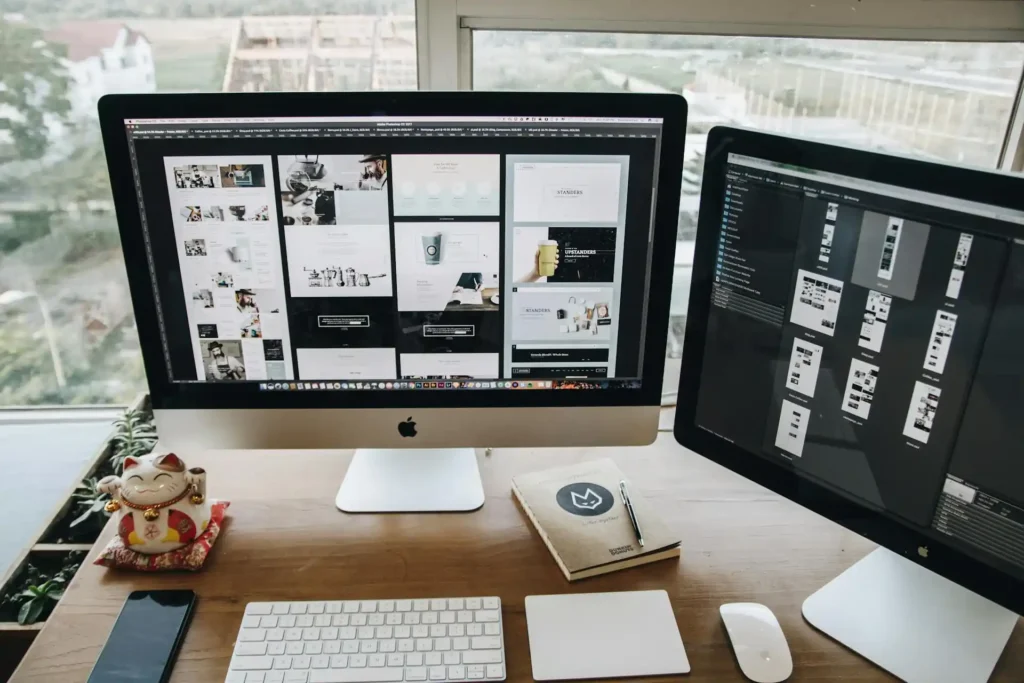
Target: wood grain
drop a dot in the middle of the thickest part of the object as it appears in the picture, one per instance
(284, 540)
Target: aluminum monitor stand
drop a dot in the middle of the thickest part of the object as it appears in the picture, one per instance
(412, 480)
(912, 622)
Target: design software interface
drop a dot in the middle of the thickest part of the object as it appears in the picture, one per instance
(875, 332)
(403, 253)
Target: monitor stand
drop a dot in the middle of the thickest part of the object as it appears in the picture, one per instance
(412, 480)
(911, 622)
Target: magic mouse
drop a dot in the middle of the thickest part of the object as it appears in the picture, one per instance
(758, 641)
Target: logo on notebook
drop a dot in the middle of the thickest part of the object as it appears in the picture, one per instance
(585, 499)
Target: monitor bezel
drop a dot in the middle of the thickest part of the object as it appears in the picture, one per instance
(114, 110)
(1001, 189)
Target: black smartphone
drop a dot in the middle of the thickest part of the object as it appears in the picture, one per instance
(146, 638)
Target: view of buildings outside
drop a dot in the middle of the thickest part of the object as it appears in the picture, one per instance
(944, 101)
(67, 332)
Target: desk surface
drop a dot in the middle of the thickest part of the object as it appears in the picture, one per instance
(284, 540)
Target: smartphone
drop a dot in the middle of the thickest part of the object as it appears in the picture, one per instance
(146, 638)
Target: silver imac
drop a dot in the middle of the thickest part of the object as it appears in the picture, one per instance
(412, 275)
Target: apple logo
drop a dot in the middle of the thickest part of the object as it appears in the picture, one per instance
(407, 428)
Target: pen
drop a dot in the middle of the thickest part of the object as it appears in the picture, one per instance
(631, 512)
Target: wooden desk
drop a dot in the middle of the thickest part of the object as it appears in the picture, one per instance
(286, 541)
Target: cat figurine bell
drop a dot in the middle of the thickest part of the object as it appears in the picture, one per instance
(162, 504)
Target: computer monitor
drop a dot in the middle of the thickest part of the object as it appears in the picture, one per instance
(413, 270)
(854, 344)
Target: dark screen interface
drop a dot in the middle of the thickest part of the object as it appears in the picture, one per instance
(345, 253)
(143, 638)
(876, 332)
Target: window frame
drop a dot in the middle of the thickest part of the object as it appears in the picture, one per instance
(445, 29)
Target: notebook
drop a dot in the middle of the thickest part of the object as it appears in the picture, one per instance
(579, 515)
(604, 635)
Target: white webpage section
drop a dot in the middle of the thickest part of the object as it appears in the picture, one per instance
(924, 402)
(565, 192)
(447, 266)
(449, 365)
(347, 363)
(876, 315)
(447, 184)
(339, 260)
(860, 388)
(561, 314)
(940, 341)
(792, 429)
(225, 225)
(956, 274)
(803, 367)
(816, 302)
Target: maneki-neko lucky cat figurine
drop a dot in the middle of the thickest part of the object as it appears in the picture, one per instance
(163, 505)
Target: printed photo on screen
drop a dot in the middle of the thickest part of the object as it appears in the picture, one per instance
(334, 190)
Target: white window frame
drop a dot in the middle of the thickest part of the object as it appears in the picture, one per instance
(445, 29)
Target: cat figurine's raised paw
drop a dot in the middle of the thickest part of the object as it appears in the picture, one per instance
(162, 505)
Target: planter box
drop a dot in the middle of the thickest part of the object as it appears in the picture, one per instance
(15, 638)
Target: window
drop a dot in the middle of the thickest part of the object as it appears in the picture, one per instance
(67, 331)
(945, 101)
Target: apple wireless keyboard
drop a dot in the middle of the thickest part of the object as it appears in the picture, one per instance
(437, 640)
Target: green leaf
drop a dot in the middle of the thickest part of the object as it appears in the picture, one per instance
(56, 595)
(30, 612)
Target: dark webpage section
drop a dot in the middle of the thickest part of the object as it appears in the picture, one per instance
(322, 322)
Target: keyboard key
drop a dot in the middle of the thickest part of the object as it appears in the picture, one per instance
(333, 607)
(304, 621)
(492, 629)
(297, 608)
(377, 660)
(268, 622)
(476, 672)
(464, 617)
(296, 677)
(420, 631)
(429, 618)
(416, 673)
(403, 632)
(456, 604)
(474, 629)
(414, 659)
(339, 620)
(492, 603)
(250, 649)
(424, 645)
(386, 606)
(457, 630)
(350, 607)
(259, 608)
(368, 647)
(316, 648)
(384, 632)
(252, 635)
(347, 633)
(316, 608)
(420, 605)
(396, 659)
(487, 615)
(447, 618)
(438, 631)
(376, 619)
(296, 648)
(357, 661)
(365, 632)
(433, 658)
(438, 604)
(256, 677)
(495, 671)
(332, 647)
(239, 663)
(437, 673)
(281, 608)
(293, 634)
(486, 643)
(287, 621)
(275, 634)
(320, 662)
(456, 673)
(274, 677)
(350, 647)
(322, 620)
(357, 620)
(275, 649)
(403, 606)
(357, 676)
(442, 644)
(481, 657)
(474, 603)
(282, 662)
(368, 606)
(450, 658)
(300, 662)
(460, 643)
(339, 661)
(311, 633)
(329, 633)
(393, 619)
(251, 622)
(387, 646)
(411, 618)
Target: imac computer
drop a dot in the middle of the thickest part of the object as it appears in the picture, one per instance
(416, 273)
(854, 344)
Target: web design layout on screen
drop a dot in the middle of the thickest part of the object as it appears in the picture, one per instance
(327, 261)
(884, 370)
(566, 231)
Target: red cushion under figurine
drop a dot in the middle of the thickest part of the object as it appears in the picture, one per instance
(190, 557)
